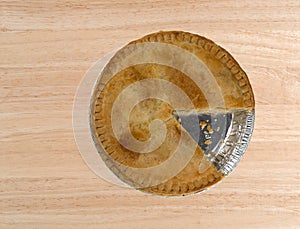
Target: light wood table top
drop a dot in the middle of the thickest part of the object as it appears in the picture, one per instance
(46, 48)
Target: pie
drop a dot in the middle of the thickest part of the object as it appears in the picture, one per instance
(172, 113)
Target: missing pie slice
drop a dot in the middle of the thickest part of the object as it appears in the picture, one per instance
(172, 113)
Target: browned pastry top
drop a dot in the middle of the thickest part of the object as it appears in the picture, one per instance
(199, 173)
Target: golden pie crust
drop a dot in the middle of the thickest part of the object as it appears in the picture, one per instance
(199, 173)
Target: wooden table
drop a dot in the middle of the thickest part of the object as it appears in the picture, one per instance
(46, 48)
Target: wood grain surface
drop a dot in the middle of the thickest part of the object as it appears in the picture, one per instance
(45, 49)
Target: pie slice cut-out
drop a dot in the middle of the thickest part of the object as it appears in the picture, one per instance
(216, 132)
